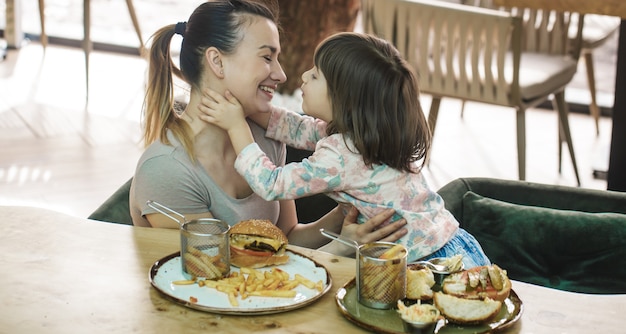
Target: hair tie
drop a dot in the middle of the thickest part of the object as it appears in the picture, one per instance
(180, 28)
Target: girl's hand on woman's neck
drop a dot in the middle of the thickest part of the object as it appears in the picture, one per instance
(226, 112)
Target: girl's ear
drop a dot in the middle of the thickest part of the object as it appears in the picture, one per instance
(214, 60)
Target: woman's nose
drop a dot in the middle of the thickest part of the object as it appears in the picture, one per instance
(278, 74)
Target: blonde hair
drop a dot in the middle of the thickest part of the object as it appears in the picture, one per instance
(214, 23)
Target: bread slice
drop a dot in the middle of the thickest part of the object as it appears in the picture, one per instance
(419, 283)
(466, 311)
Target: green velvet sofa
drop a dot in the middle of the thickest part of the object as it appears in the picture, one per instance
(116, 208)
(561, 237)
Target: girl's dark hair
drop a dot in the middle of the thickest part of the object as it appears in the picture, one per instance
(215, 23)
(375, 100)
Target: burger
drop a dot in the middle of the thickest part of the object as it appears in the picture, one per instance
(257, 243)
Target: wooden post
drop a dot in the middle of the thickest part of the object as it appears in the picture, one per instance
(13, 31)
(306, 23)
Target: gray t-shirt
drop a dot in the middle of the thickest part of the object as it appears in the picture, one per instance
(166, 175)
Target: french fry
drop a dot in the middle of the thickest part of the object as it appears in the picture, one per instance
(274, 293)
(268, 281)
(200, 264)
(210, 284)
(373, 274)
(393, 252)
(274, 285)
(184, 282)
(225, 287)
(305, 281)
(289, 285)
(249, 282)
(249, 271)
(232, 299)
(197, 267)
(280, 273)
(378, 280)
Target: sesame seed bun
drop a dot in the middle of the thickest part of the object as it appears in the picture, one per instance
(259, 227)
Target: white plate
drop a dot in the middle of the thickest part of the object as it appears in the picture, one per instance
(168, 269)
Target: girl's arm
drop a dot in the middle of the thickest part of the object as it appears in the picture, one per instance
(324, 171)
(289, 127)
(294, 129)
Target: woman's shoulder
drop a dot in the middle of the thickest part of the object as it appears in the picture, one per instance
(274, 149)
(162, 152)
(163, 160)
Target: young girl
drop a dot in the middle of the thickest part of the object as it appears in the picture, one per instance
(370, 138)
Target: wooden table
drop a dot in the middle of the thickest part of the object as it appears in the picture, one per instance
(616, 179)
(63, 274)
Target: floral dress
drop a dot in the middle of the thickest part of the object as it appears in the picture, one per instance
(337, 170)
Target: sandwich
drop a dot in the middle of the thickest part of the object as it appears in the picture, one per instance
(257, 243)
(479, 283)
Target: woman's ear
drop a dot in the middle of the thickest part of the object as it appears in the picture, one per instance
(214, 60)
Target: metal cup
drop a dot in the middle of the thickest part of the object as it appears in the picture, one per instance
(205, 249)
(380, 282)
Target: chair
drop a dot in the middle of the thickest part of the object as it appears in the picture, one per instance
(87, 44)
(515, 58)
(116, 209)
(556, 236)
(597, 30)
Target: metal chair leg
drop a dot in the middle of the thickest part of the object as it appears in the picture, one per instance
(559, 99)
(521, 143)
(87, 45)
(591, 81)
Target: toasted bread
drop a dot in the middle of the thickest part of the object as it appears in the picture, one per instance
(466, 311)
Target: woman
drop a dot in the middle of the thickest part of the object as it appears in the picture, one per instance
(188, 164)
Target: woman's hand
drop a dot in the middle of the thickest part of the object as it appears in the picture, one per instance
(375, 229)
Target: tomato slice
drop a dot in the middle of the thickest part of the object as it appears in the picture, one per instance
(249, 252)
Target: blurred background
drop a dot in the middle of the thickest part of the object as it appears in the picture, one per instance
(62, 151)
